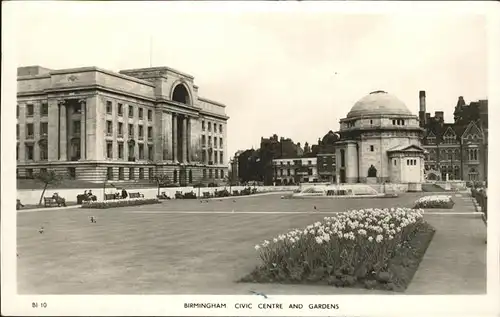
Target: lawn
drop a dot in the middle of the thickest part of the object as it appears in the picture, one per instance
(161, 249)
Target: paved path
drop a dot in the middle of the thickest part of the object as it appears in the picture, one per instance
(455, 262)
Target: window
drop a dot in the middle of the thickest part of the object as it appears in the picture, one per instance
(131, 131)
(44, 129)
(220, 128)
(72, 172)
(29, 131)
(45, 110)
(141, 113)
(203, 126)
(76, 128)
(210, 175)
(472, 154)
(29, 152)
(109, 173)
(141, 173)
(221, 144)
(29, 110)
(141, 132)
(215, 142)
(131, 151)
(120, 129)
(309, 162)
(309, 171)
(17, 111)
(121, 173)
(175, 176)
(407, 162)
(215, 157)
(281, 172)
(431, 140)
(372, 148)
(150, 152)
(221, 173)
(204, 156)
(209, 126)
(203, 140)
(288, 163)
(150, 133)
(131, 173)
(109, 150)
(44, 151)
(150, 173)
(204, 174)
(109, 127)
(17, 153)
(395, 162)
(131, 111)
(288, 172)
(209, 141)
(109, 107)
(120, 150)
(29, 173)
(141, 151)
(371, 121)
(77, 108)
(216, 174)
(221, 158)
(150, 115)
(120, 109)
(190, 176)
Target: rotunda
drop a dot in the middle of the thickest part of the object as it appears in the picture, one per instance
(379, 143)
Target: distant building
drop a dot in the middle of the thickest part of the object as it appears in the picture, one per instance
(379, 142)
(459, 150)
(93, 124)
(295, 170)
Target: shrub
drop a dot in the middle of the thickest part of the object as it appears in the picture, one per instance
(222, 193)
(119, 203)
(350, 248)
(435, 201)
(189, 195)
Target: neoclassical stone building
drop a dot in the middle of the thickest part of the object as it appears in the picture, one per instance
(380, 142)
(95, 124)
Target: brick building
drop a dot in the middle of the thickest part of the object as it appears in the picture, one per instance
(94, 124)
(458, 150)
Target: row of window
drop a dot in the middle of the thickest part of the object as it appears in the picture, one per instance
(130, 112)
(131, 151)
(288, 163)
(288, 172)
(30, 110)
(211, 173)
(398, 122)
(209, 126)
(109, 130)
(218, 157)
(472, 155)
(204, 141)
(450, 139)
(351, 124)
(44, 129)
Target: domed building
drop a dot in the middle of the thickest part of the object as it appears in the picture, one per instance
(380, 142)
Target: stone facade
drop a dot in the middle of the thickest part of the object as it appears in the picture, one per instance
(379, 142)
(95, 124)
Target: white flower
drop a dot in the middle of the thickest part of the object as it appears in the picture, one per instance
(379, 238)
(362, 232)
(319, 240)
(390, 237)
(257, 247)
(275, 240)
(370, 238)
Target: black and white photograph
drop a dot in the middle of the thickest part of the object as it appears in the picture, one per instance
(271, 158)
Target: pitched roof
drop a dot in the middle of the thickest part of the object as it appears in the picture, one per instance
(406, 148)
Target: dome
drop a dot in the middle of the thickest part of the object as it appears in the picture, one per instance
(330, 138)
(378, 103)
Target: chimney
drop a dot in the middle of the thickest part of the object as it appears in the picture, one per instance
(427, 117)
(439, 115)
(421, 113)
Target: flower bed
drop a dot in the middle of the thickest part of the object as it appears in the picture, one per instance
(435, 201)
(370, 248)
(119, 203)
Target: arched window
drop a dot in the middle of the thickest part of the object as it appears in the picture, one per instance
(181, 94)
(473, 175)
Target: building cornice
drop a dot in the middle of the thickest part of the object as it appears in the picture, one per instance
(164, 68)
(212, 102)
(214, 115)
(378, 116)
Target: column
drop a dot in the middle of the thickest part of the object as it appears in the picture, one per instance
(83, 129)
(184, 139)
(53, 137)
(63, 142)
(174, 137)
(188, 139)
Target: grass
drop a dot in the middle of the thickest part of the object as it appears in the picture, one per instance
(160, 249)
(76, 184)
(30, 206)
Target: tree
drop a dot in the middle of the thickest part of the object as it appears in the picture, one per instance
(161, 179)
(228, 182)
(47, 177)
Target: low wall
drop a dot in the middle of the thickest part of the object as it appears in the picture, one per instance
(390, 188)
(32, 196)
(452, 185)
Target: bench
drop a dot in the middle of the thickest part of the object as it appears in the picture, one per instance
(135, 195)
(50, 202)
(206, 194)
(109, 196)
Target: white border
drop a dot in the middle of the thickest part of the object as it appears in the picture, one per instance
(369, 305)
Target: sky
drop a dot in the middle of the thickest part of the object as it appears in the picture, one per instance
(290, 70)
